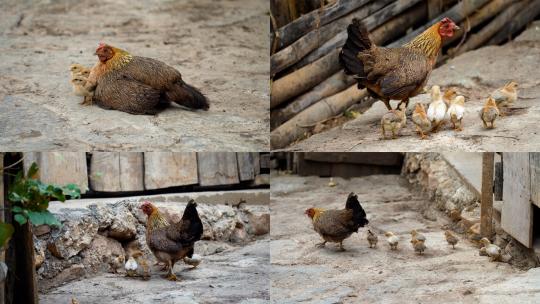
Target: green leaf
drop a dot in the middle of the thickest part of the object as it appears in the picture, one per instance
(6, 231)
(19, 218)
(43, 217)
(17, 209)
(32, 171)
(15, 197)
(72, 191)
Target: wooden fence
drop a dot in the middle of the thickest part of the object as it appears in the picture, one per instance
(134, 171)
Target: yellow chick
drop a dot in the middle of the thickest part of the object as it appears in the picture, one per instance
(493, 251)
(417, 236)
(437, 109)
(194, 261)
(456, 111)
(505, 96)
(79, 89)
(372, 239)
(131, 267)
(74, 301)
(451, 238)
(489, 113)
(331, 183)
(79, 70)
(449, 95)
(420, 120)
(394, 120)
(116, 263)
(392, 240)
(419, 246)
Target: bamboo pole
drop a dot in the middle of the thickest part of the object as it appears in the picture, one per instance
(309, 76)
(312, 40)
(518, 22)
(486, 207)
(489, 30)
(300, 26)
(334, 84)
(330, 106)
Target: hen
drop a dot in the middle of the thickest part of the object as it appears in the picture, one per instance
(337, 225)
(139, 85)
(393, 73)
(172, 242)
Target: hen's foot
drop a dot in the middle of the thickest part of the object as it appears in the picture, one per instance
(321, 245)
(171, 277)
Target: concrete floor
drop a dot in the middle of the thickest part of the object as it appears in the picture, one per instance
(475, 74)
(302, 273)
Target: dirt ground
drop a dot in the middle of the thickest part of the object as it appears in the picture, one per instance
(220, 47)
(475, 74)
(237, 275)
(302, 273)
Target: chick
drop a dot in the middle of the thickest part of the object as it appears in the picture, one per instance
(142, 269)
(456, 111)
(493, 251)
(117, 263)
(194, 261)
(392, 240)
(449, 95)
(421, 121)
(419, 246)
(79, 70)
(417, 236)
(489, 113)
(372, 239)
(131, 267)
(331, 183)
(79, 89)
(437, 109)
(394, 120)
(451, 238)
(505, 96)
(74, 301)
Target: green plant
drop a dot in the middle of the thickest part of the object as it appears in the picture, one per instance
(30, 198)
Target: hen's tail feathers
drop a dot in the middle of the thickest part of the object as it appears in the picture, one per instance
(359, 215)
(357, 42)
(187, 96)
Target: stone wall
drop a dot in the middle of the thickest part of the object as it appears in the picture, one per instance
(94, 239)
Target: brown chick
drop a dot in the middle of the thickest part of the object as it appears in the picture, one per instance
(117, 263)
(74, 301)
(78, 82)
(489, 113)
(505, 96)
(417, 236)
(421, 121)
(451, 238)
(419, 246)
(394, 120)
(372, 239)
(449, 95)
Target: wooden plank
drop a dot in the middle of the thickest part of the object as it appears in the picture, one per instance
(25, 272)
(265, 161)
(535, 178)
(245, 166)
(369, 158)
(499, 182)
(434, 8)
(60, 168)
(116, 171)
(517, 215)
(169, 169)
(256, 162)
(486, 204)
(217, 168)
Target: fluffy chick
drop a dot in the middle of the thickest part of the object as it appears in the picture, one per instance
(117, 263)
(131, 267)
(489, 113)
(421, 121)
(437, 109)
(419, 246)
(449, 95)
(372, 239)
(451, 238)
(194, 261)
(392, 240)
(505, 96)
(79, 70)
(331, 183)
(456, 111)
(493, 251)
(79, 89)
(417, 236)
(394, 120)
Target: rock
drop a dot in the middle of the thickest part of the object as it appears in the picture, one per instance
(239, 234)
(474, 232)
(124, 225)
(70, 274)
(74, 236)
(258, 224)
(102, 253)
(41, 230)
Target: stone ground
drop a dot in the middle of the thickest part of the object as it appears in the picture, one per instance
(475, 74)
(220, 47)
(237, 275)
(302, 273)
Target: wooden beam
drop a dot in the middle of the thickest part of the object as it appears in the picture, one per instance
(245, 166)
(217, 168)
(434, 8)
(169, 169)
(117, 171)
(486, 207)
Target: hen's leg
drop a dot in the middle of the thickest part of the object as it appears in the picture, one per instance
(321, 245)
(170, 275)
(387, 104)
(341, 246)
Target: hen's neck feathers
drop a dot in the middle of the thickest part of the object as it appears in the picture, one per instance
(429, 42)
(317, 214)
(156, 220)
(120, 59)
